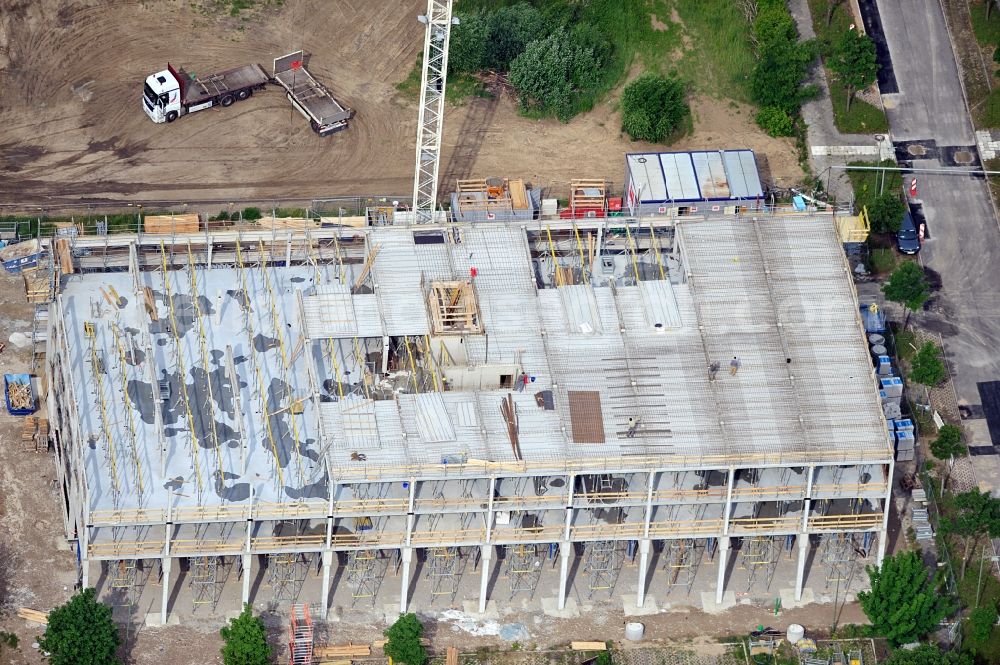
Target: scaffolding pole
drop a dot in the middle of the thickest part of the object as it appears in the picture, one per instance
(130, 415)
(524, 567)
(122, 581)
(96, 371)
(286, 573)
(603, 564)
(759, 557)
(446, 567)
(365, 571)
(839, 557)
(682, 558)
(206, 587)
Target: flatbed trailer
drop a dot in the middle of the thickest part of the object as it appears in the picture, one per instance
(222, 86)
(309, 96)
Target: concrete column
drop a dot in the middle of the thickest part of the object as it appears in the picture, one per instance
(800, 573)
(883, 538)
(723, 556)
(484, 580)
(407, 553)
(247, 576)
(640, 594)
(565, 549)
(166, 563)
(85, 573)
(325, 594)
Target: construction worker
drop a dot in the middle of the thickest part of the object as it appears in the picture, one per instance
(734, 365)
(713, 369)
(633, 425)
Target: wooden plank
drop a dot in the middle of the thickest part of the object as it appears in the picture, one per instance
(518, 194)
(292, 223)
(187, 223)
(452, 656)
(33, 615)
(343, 651)
(588, 646)
(354, 221)
(150, 302)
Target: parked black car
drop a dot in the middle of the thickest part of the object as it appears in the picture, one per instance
(907, 238)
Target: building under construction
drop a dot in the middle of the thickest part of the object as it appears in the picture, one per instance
(360, 415)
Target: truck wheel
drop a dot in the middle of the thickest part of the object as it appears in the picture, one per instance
(227, 100)
(243, 94)
(171, 116)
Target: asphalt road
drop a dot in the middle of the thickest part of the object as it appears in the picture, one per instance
(965, 245)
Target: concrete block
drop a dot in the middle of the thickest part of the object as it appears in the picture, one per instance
(649, 606)
(550, 606)
(709, 606)
(472, 607)
(788, 601)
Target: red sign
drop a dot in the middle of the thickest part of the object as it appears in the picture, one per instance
(296, 64)
(913, 187)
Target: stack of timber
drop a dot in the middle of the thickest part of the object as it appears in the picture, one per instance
(19, 395)
(170, 224)
(33, 615)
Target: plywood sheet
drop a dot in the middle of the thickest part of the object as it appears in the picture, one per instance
(585, 416)
(518, 194)
(188, 223)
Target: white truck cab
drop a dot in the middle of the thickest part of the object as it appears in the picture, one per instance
(161, 96)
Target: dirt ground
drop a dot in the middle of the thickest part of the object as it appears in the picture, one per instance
(73, 129)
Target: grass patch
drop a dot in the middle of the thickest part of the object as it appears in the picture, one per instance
(462, 86)
(905, 341)
(235, 7)
(721, 62)
(410, 86)
(882, 260)
(989, 111)
(862, 118)
(987, 30)
(840, 22)
(869, 184)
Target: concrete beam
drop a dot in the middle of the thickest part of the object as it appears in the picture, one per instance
(166, 563)
(723, 556)
(640, 594)
(484, 579)
(407, 554)
(565, 549)
(800, 572)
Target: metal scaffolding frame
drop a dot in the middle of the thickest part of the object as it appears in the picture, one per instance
(524, 567)
(759, 557)
(840, 554)
(681, 560)
(286, 573)
(445, 568)
(206, 583)
(123, 583)
(365, 571)
(603, 565)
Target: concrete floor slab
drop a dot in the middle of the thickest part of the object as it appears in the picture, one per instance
(152, 620)
(649, 606)
(550, 606)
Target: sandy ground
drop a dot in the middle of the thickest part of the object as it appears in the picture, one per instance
(73, 129)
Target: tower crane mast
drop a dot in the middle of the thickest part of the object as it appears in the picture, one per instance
(438, 22)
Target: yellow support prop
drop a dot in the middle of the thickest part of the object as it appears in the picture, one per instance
(128, 410)
(635, 263)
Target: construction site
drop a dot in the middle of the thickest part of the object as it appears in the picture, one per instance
(301, 418)
(496, 401)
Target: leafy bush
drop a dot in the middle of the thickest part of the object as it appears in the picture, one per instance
(882, 260)
(907, 286)
(653, 107)
(469, 43)
(551, 73)
(251, 214)
(511, 29)
(245, 640)
(886, 212)
(927, 654)
(403, 641)
(775, 121)
(927, 368)
(904, 602)
(81, 632)
(948, 442)
(783, 62)
(979, 626)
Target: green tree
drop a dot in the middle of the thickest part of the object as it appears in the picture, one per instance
(403, 641)
(927, 654)
(948, 443)
(979, 626)
(927, 368)
(972, 515)
(775, 121)
(904, 602)
(653, 107)
(854, 62)
(511, 29)
(776, 79)
(907, 286)
(81, 632)
(469, 44)
(886, 213)
(245, 640)
(551, 73)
